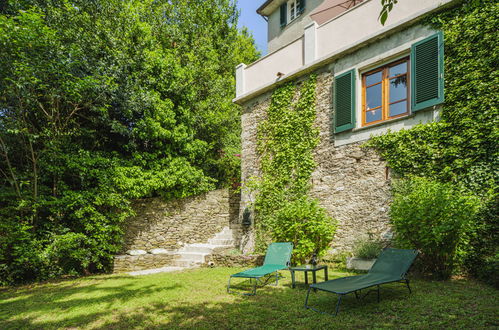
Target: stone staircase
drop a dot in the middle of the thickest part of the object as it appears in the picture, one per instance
(194, 255)
(161, 260)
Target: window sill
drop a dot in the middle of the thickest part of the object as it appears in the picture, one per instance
(431, 114)
(358, 129)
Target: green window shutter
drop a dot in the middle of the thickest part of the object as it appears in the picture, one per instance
(301, 6)
(427, 72)
(284, 14)
(344, 101)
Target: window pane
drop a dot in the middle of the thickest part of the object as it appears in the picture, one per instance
(373, 115)
(398, 108)
(398, 69)
(373, 78)
(373, 96)
(398, 88)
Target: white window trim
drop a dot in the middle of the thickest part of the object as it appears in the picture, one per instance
(289, 3)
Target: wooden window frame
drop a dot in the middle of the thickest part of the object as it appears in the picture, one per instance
(385, 95)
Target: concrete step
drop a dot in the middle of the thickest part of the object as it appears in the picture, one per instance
(198, 248)
(186, 263)
(221, 242)
(223, 237)
(192, 256)
(225, 233)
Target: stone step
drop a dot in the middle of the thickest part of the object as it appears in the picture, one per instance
(186, 263)
(221, 242)
(192, 256)
(189, 256)
(223, 236)
(198, 248)
(225, 232)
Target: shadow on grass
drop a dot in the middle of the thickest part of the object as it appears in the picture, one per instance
(432, 304)
(61, 298)
(282, 307)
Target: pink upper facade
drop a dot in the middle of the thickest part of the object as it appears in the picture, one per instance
(336, 27)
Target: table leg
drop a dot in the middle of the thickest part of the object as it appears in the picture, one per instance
(314, 276)
(306, 277)
(325, 273)
(293, 284)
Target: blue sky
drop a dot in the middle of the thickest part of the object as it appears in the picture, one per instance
(254, 22)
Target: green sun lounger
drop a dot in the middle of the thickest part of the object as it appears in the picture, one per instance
(391, 266)
(278, 257)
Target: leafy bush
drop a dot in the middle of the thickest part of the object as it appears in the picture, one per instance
(20, 257)
(463, 146)
(102, 102)
(68, 252)
(305, 224)
(435, 218)
(483, 259)
(367, 248)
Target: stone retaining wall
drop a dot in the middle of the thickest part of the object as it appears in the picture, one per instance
(127, 263)
(170, 225)
(223, 259)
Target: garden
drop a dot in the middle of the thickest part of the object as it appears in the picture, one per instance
(108, 102)
(198, 299)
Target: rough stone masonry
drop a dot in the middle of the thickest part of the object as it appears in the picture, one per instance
(350, 182)
(161, 227)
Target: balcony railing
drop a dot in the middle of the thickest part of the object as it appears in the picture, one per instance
(319, 43)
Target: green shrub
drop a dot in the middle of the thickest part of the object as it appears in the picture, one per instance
(307, 225)
(483, 259)
(367, 248)
(21, 260)
(461, 147)
(435, 218)
(70, 252)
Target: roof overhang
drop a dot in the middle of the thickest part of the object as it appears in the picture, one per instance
(269, 6)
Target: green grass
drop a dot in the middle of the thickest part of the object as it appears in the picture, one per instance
(198, 299)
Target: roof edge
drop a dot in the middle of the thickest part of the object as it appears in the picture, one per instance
(260, 9)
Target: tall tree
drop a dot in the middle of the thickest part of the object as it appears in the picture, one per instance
(104, 101)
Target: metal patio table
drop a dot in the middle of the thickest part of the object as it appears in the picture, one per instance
(306, 269)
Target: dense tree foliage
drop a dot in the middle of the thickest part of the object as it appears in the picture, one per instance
(102, 102)
(463, 147)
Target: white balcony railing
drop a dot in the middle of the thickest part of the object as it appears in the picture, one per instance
(318, 43)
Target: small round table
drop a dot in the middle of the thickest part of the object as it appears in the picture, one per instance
(306, 269)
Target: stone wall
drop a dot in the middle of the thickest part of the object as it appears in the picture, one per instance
(225, 259)
(127, 263)
(170, 225)
(350, 182)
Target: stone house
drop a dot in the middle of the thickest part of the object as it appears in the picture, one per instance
(371, 78)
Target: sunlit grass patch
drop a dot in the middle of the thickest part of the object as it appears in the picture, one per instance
(198, 299)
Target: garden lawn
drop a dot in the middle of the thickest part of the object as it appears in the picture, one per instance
(198, 299)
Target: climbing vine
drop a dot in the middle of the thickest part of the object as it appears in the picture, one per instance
(463, 147)
(286, 140)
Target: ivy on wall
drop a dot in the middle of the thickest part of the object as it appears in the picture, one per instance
(463, 147)
(286, 140)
